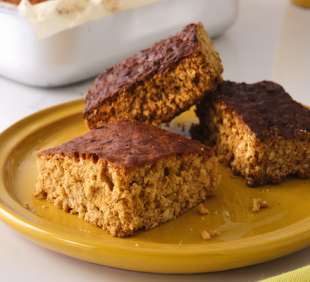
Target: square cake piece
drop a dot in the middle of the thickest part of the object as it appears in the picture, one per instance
(158, 83)
(257, 129)
(127, 175)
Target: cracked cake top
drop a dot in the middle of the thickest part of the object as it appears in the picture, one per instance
(158, 58)
(265, 108)
(130, 144)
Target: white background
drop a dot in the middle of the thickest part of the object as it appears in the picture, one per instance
(270, 40)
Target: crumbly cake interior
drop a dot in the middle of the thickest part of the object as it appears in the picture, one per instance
(158, 97)
(260, 159)
(100, 194)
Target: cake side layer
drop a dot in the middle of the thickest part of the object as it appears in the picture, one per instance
(156, 59)
(259, 158)
(130, 144)
(120, 204)
(159, 98)
(157, 84)
(265, 107)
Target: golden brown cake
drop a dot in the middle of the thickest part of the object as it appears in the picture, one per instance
(127, 175)
(158, 83)
(257, 129)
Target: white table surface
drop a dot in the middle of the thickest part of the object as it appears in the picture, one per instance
(270, 40)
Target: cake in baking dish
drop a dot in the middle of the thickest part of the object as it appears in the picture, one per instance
(158, 83)
(127, 175)
(257, 129)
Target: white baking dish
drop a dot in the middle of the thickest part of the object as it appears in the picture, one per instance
(85, 51)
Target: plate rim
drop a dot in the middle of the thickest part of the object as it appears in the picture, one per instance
(155, 257)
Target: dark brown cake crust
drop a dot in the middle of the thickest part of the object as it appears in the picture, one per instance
(257, 129)
(158, 58)
(125, 176)
(265, 108)
(130, 144)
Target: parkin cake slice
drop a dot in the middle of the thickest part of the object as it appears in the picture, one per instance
(158, 83)
(257, 129)
(127, 175)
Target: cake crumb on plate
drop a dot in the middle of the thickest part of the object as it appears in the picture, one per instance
(214, 233)
(205, 235)
(202, 210)
(257, 204)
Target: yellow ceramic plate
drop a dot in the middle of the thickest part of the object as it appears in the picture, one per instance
(175, 247)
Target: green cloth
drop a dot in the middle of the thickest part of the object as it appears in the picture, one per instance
(298, 275)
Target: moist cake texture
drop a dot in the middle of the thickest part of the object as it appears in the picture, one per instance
(127, 175)
(158, 83)
(257, 129)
